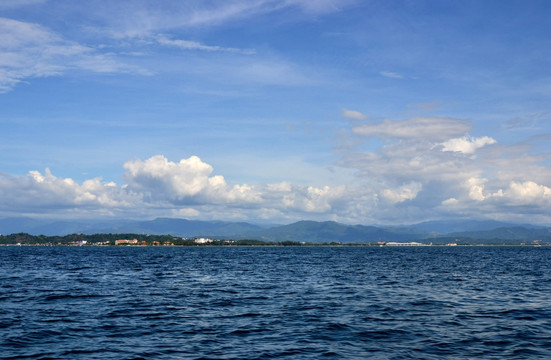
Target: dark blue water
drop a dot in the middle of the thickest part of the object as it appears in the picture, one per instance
(275, 302)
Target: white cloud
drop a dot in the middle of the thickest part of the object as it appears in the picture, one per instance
(157, 186)
(42, 192)
(466, 144)
(516, 193)
(187, 181)
(199, 13)
(187, 212)
(450, 202)
(130, 19)
(503, 181)
(193, 45)
(429, 128)
(311, 199)
(528, 192)
(354, 115)
(386, 192)
(30, 50)
(403, 193)
(284, 186)
(16, 34)
(476, 188)
(319, 6)
(527, 121)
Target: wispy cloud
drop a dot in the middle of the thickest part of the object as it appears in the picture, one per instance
(320, 6)
(392, 75)
(420, 127)
(30, 50)
(194, 45)
(528, 121)
(354, 115)
(147, 18)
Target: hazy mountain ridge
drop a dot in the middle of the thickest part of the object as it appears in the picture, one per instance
(520, 233)
(159, 226)
(330, 231)
(301, 231)
(457, 226)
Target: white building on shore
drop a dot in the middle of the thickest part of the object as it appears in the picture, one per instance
(203, 241)
(412, 243)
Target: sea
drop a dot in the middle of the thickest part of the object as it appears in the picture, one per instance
(431, 302)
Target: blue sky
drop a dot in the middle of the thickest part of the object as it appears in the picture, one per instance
(370, 112)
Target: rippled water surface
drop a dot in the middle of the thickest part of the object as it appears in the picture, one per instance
(275, 302)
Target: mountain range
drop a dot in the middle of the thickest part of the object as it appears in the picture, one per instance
(301, 231)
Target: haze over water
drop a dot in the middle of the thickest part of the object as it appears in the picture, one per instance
(275, 302)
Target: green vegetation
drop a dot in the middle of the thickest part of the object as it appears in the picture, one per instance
(136, 240)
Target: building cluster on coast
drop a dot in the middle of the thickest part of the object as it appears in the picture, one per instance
(411, 243)
(135, 241)
(143, 242)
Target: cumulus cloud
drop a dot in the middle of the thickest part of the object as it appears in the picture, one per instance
(156, 185)
(476, 188)
(431, 164)
(385, 191)
(528, 192)
(516, 193)
(450, 202)
(43, 192)
(190, 182)
(402, 193)
(310, 199)
(187, 181)
(467, 145)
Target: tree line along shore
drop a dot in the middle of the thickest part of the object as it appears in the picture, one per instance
(25, 239)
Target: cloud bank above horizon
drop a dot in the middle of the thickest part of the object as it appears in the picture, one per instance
(275, 110)
(417, 170)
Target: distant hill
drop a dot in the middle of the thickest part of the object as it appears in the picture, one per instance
(301, 231)
(188, 228)
(330, 231)
(159, 226)
(456, 226)
(519, 233)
